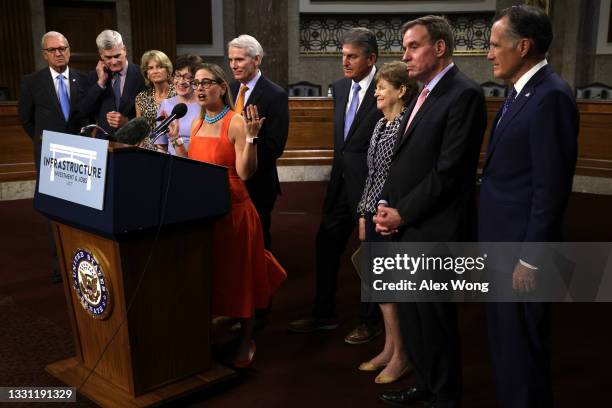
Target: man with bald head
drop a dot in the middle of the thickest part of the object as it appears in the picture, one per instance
(50, 100)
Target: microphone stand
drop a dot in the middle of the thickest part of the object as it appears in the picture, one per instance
(93, 126)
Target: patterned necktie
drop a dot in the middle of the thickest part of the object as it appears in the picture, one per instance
(240, 101)
(63, 96)
(117, 89)
(419, 102)
(508, 102)
(352, 110)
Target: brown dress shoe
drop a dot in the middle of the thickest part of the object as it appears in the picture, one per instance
(362, 334)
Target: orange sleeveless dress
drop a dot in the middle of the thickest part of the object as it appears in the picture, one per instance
(245, 275)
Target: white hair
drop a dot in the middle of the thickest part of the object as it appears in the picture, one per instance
(53, 34)
(109, 39)
(249, 43)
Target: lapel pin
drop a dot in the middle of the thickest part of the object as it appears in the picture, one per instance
(527, 94)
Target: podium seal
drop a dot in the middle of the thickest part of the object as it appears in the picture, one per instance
(90, 284)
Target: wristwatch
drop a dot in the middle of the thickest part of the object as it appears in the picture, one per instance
(252, 140)
(177, 141)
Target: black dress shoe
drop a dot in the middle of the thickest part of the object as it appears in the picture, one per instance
(312, 324)
(408, 396)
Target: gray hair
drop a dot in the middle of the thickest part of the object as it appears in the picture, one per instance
(109, 39)
(53, 34)
(249, 43)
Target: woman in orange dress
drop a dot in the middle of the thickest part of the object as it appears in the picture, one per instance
(245, 275)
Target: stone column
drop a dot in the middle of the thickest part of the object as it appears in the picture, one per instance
(266, 20)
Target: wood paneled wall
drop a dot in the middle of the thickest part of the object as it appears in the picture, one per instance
(16, 58)
(310, 139)
(153, 27)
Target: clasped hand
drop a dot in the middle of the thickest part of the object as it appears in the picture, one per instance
(387, 220)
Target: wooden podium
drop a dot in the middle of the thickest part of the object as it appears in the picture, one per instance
(137, 279)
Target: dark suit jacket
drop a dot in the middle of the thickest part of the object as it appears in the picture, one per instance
(98, 102)
(530, 164)
(273, 104)
(431, 180)
(39, 108)
(349, 164)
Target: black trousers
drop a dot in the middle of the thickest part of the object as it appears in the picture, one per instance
(264, 207)
(337, 225)
(431, 338)
(519, 344)
(55, 268)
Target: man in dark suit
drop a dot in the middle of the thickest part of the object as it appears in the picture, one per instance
(113, 86)
(429, 197)
(50, 100)
(355, 116)
(526, 184)
(250, 87)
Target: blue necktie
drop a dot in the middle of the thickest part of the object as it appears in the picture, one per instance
(508, 102)
(350, 115)
(63, 96)
(117, 89)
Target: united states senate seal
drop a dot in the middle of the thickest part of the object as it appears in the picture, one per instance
(90, 284)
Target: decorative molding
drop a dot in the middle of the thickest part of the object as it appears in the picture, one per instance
(401, 7)
(604, 42)
(320, 33)
(217, 48)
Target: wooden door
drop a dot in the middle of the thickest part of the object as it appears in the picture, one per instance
(81, 22)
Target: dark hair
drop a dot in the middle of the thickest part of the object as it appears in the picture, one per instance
(362, 38)
(438, 28)
(188, 61)
(528, 22)
(396, 73)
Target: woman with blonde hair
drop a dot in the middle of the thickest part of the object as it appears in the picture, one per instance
(157, 71)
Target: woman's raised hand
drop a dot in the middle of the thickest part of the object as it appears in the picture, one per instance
(253, 121)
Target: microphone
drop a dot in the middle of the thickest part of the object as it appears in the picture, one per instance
(178, 112)
(133, 132)
(92, 126)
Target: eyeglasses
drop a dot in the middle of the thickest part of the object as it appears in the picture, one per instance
(184, 77)
(206, 83)
(52, 50)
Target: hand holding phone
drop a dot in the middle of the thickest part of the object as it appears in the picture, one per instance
(103, 73)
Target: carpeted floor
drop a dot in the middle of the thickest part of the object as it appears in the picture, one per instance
(299, 370)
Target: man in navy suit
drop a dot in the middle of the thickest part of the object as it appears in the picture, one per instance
(50, 100)
(113, 86)
(429, 196)
(526, 184)
(250, 87)
(355, 116)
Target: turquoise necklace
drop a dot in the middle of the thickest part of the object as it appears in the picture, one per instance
(217, 117)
